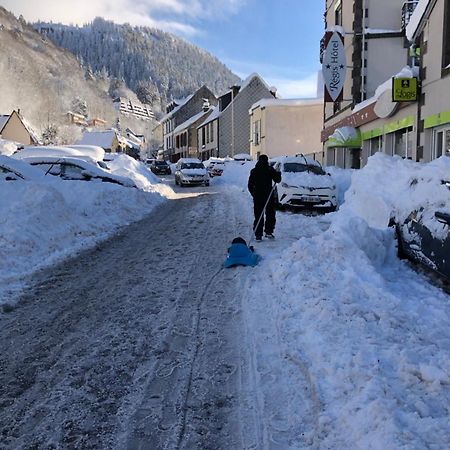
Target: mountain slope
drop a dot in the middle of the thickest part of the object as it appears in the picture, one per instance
(152, 63)
(45, 82)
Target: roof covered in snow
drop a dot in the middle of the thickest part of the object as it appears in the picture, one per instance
(102, 139)
(416, 19)
(213, 116)
(180, 103)
(266, 102)
(3, 120)
(190, 121)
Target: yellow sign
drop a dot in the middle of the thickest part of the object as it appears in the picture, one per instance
(404, 89)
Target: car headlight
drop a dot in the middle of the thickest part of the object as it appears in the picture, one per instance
(285, 185)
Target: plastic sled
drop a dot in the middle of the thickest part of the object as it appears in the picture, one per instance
(239, 254)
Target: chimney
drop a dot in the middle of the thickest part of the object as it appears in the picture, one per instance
(206, 104)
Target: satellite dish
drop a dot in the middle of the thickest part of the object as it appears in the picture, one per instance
(384, 106)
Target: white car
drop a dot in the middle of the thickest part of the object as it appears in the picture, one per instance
(304, 183)
(89, 153)
(76, 169)
(190, 171)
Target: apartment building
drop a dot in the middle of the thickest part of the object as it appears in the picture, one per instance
(281, 127)
(177, 113)
(374, 49)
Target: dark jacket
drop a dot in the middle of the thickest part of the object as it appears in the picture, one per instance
(260, 180)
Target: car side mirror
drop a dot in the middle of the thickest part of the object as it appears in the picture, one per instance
(86, 175)
(442, 217)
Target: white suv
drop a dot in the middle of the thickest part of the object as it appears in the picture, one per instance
(304, 183)
(190, 171)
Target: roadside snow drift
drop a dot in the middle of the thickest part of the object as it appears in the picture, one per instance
(42, 222)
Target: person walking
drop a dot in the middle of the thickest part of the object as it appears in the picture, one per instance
(260, 188)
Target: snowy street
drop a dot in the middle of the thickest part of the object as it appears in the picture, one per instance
(144, 341)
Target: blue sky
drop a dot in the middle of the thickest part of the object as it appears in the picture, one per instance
(279, 39)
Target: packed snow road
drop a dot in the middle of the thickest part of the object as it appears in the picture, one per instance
(142, 343)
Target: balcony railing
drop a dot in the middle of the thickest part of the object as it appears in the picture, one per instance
(407, 11)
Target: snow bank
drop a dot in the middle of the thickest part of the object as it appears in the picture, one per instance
(7, 147)
(342, 179)
(406, 186)
(43, 222)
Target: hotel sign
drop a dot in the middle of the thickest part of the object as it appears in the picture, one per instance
(334, 66)
(404, 89)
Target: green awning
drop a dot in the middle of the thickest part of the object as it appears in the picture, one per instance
(348, 137)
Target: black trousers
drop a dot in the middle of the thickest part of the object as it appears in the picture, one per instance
(266, 223)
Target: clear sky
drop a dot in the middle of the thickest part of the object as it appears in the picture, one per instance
(279, 39)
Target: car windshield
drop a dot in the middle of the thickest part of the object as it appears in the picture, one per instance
(192, 165)
(160, 163)
(299, 167)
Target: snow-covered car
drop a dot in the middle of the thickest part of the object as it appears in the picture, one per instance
(304, 184)
(191, 171)
(89, 153)
(76, 169)
(160, 167)
(13, 170)
(215, 167)
(418, 241)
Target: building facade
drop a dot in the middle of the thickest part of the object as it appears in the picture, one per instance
(178, 112)
(374, 50)
(233, 121)
(286, 128)
(208, 136)
(14, 128)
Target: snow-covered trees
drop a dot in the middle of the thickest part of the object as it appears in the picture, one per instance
(151, 62)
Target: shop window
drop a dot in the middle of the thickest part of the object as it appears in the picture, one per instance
(403, 143)
(376, 145)
(441, 142)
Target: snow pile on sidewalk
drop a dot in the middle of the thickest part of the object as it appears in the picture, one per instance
(7, 147)
(391, 187)
(372, 337)
(43, 222)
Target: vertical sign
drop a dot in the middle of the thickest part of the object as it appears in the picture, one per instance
(334, 66)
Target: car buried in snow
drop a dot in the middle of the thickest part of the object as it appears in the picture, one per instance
(191, 171)
(304, 184)
(76, 169)
(14, 170)
(215, 167)
(424, 238)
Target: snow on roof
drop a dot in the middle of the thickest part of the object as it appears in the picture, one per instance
(190, 121)
(265, 102)
(180, 103)
(416, 19)
(213, 116)
(102, 139)
(30, 130)
(3, 120)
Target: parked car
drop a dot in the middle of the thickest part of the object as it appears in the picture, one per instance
(304, 184)
(89, 153)
(191, 171)
(215, 167)
(417, 242)
(13, 170)
(76, 169)
(160, 167)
